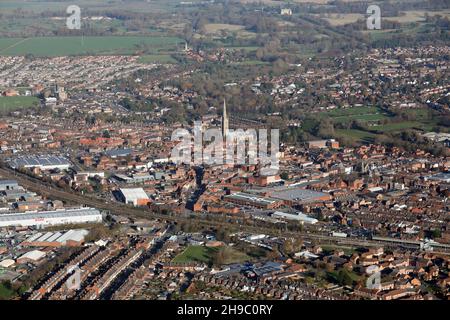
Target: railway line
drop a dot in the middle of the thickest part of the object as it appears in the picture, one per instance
(49, 191)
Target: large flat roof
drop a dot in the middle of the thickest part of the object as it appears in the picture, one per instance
(50, 214)
(251, 197)
(134, 193)
(38, 161)
(297, 194)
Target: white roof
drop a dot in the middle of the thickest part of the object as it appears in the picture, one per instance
(64, 213)
(34, 237)
(134, 193)
(7, 263)
(45, 237)
(73, 235)
(34, 255)
(54, 237)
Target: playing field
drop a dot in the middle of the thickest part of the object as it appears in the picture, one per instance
(356, 113)
(206, 255)
(195, 253)
(15, 103)
(63, 46)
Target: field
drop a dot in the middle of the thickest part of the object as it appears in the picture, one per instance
(339, 19)
(15, 103)
(39, 6)
(195, 253)
(60, 46)
(355, 135)
(356, 113)
(336, 19)
(217, 27)
(206, 255)
(157, 58)
(417, 15)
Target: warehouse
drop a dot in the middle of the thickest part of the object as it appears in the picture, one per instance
(48, 218)
(134, 196)
(247, 199)
(48, 162)
(71, 238)
(31, 257)
(294, 196)
(301, 217)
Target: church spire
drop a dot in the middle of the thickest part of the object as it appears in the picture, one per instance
(224, 120)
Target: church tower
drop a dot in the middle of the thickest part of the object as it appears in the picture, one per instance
(225, 126)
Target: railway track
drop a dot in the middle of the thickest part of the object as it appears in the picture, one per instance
(44, 189)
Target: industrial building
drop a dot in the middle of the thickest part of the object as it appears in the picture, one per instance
(133, 196)
(248, 199)
(293, 196)
(71, 238)
(301, 217)
(48, 218)
(31, 257)
(42, 162)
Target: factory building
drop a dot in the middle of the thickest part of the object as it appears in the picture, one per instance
(71, 238)
(295, 196)
(49, 218)
(301, 217)
(133, 196)
(41, 162)
(248, 199)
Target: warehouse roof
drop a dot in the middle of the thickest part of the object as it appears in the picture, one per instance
(50, 214)
(298, 216)
(134, 193)
(297, 194)
(61, 237)
(118, 152)
(251, 197)
(34, 255)
(39, 161)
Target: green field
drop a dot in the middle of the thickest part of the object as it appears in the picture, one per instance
(357, 135)
(59, 6)
(77, 45)
(157, 58)
(15, 103)
(398, 126)
(356, 113)
(206, 255)
(195, 253)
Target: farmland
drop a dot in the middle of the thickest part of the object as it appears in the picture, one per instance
(76, 45)
(404, 17)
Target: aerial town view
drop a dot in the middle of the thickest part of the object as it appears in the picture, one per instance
(232, 150)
